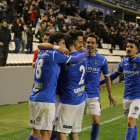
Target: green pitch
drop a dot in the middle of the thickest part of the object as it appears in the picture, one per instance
(14, 119)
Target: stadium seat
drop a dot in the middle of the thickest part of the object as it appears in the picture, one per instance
(12, 46)
(119, 52)
(115, 59)
(104, 46)
(103, 51)
(117, 47)
(108, 46)
(10, 59)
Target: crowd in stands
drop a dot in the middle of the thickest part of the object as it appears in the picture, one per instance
(23, 16)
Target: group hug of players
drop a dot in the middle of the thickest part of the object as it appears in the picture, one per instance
(67, 78)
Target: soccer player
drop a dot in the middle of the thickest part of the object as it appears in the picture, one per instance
(77, 37)
(95, 64)
(42, 97)
(130, 66)
(45, 40)
(71, 108)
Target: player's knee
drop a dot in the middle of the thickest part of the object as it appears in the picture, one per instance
(36, 133)
(130, 123)
(97, 122)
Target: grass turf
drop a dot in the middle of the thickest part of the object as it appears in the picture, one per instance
(14, 119)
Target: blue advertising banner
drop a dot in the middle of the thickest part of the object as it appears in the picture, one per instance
(90, 6)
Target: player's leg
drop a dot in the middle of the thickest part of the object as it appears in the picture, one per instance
(132, 117)
(65, 118)
(45, 134)
(57, 101)
(95, 110)
(45, 113)
(73, 136)
(35, 134)
(77, 125)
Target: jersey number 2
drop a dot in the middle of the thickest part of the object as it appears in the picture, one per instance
(82, 68)
(38, 69)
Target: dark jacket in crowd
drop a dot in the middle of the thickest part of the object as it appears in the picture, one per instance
(30, 34)
(38, 12)
(26, 16)
(17, 31)
(5, 38)
(3, 12)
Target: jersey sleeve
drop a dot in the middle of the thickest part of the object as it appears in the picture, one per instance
(119, 69)
(35, 55)
(105, 68)
(60, 58)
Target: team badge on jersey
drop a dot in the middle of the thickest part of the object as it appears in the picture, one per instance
(95, 62)
(136, 108)
(134, 65)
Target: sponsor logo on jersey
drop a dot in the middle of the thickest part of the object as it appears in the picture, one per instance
(132, 73)
(134, 65)
(66, 126)
(91, 69)
(42, 52)
(136, 108)
(77, 90)
(95, 62)
(125, 64)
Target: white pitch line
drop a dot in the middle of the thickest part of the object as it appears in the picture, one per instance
(104, 122)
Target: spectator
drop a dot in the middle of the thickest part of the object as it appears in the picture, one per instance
(17, 30)
(30, 34)
(40, 32)
(10, 10)
(24, 37)
(32, 15)
(26, 14)
(38, 13)
(41, 4)
(69, 25)
(3, 10)
(5, 38)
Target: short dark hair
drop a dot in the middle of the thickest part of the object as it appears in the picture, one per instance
(74, 33)
(68, 41)
(93, 36)
(55, 37)
(133, 41)
(4, 20)
(46, 33)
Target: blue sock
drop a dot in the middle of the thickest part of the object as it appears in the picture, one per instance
(94, 132)
(135, 137)
(53, 137)
(32, 138)
(129, 133)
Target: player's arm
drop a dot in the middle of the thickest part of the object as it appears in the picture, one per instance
(48, 46)
(61, 58)
(112, 76)
(105, 71)
(115, 74)
(108, 85)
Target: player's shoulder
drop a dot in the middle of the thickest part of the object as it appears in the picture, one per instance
(57, 53)
(99, 56)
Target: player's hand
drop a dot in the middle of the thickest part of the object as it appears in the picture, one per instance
(63, 50)
(1, 44)
(112, 100)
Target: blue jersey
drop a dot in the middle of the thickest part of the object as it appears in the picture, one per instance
(72, 79)
(131, 70)
(95, 64)
(46, 74)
